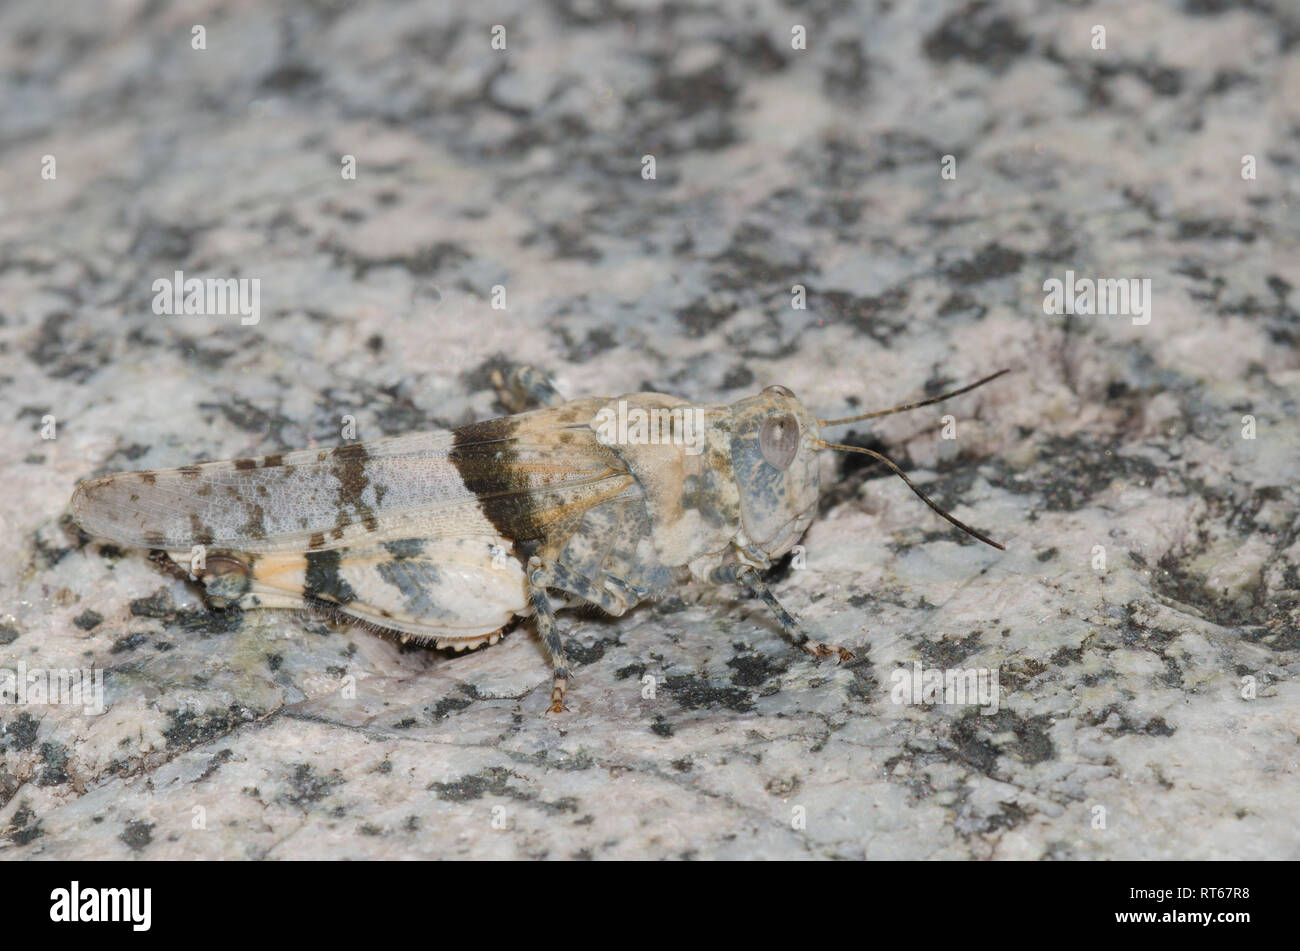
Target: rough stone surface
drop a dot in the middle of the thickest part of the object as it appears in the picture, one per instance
(1149, 709)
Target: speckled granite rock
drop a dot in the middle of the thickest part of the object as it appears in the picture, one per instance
(1147, 709)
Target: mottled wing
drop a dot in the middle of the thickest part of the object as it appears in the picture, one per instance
(512, 478)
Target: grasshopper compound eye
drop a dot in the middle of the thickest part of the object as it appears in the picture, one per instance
(776, 389)
(779, 440)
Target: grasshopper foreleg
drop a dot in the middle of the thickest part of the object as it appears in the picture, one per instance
(748, 576)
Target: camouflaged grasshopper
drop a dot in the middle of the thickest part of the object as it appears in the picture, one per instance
(446, 537)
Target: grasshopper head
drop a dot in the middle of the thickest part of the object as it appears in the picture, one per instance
(774, 445)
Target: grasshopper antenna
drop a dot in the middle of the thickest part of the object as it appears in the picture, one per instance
(822, 444)
(899, 472)
(901, 409)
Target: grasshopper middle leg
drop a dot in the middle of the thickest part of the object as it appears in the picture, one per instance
(549, 632)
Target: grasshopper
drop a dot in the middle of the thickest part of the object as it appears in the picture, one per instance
(448, 537)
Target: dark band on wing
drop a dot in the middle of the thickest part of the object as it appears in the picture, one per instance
(349, 465)
(485, 455)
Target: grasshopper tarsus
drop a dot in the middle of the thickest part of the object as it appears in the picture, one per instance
(525, 387)
(818, 649)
